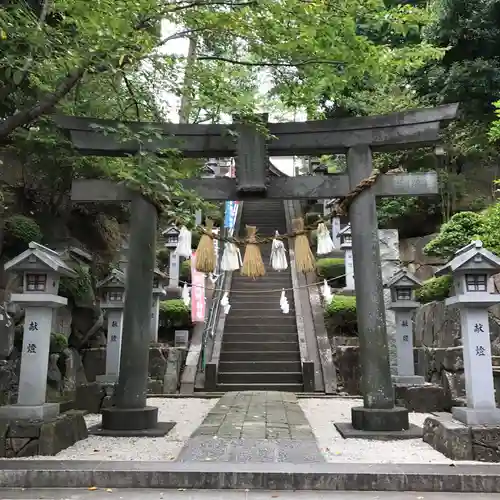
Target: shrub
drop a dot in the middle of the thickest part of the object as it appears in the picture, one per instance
(312, 218)
(340, 316)
(459, 231)
(58, 342)
(175, 314)
(79, 288)
(163, 257)
(489, 234)
(434, 289)
(20, 231)
(331, 269)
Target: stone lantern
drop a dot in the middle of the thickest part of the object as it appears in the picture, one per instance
(112, 297)
(159, 293)
(345, 236)
(40, 269)
(402, 287)
(473, 293)
(171, 236)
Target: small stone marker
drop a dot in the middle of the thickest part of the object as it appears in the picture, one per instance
(112, 289)
(402, 286)
(181, 338)
(159, 281)
(171, 236)
(41, 269)
(346, 245)
(473, 293)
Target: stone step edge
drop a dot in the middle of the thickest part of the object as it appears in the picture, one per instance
(269, 476)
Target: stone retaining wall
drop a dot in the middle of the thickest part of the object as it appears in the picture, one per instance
(26, 439)
(72, 376)
(438, 348)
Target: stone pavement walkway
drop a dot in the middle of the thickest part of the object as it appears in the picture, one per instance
(254, 427)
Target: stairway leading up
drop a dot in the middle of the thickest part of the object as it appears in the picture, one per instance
(260, 348)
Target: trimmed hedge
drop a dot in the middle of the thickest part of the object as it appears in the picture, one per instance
(175, 314)
(332, 269)
(340, 316)
(434, 289)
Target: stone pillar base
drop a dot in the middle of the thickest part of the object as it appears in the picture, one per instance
(131, 422)
(375, 419)
(107, 379)
(408, 380)
(45, 412)
(380, 424)
(458, 441)
(474, 416)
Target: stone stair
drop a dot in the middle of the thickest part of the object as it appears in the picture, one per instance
(260, 348)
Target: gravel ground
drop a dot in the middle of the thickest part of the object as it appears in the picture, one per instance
(322, 413)
(187, 412)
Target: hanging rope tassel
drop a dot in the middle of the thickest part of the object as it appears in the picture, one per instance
(205, 253)
(325, 243)
(304, 258)
(231, 257)
(253, 267)
(278, 255)
(184, 245)
(185, 295)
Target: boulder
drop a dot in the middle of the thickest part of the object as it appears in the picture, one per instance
(426, 398)
(89, 397)
(157, 363)
(25, 439)
(347, 364)
(9, 380)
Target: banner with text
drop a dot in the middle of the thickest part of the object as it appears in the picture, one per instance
(231, 210)
(197, 293)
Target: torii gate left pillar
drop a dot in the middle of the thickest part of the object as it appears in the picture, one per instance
(131, 416)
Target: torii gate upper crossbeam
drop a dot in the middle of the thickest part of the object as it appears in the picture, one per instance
(404, 130)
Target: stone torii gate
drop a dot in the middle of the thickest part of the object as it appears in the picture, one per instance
(355, 137)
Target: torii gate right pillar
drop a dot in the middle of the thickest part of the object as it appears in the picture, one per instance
(378, 413)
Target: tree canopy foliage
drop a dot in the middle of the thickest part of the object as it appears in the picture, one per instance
(111, 59)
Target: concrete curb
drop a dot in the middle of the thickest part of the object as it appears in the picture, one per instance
(270, 476)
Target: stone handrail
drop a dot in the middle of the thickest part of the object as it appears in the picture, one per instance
(303, 318)
(212, 367)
